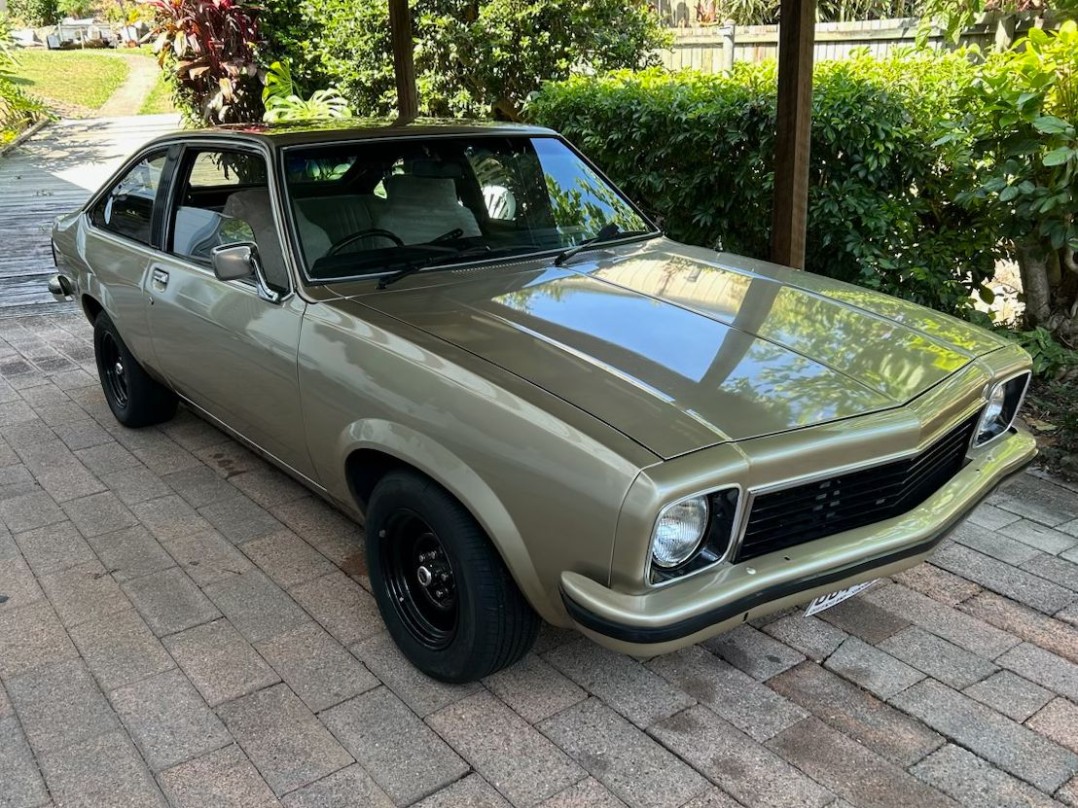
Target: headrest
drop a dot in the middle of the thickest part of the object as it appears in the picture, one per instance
(426, 190)
(435, 169)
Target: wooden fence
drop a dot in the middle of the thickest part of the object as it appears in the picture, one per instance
(708, 48)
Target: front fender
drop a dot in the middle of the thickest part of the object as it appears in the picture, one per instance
(432, 458)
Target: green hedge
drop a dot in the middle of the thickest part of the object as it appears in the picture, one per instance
(698, 151)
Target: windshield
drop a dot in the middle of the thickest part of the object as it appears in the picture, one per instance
(372, 207)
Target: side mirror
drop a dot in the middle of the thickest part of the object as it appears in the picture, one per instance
(235, 261)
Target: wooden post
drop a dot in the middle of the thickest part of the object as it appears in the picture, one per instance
(793, 123)
(1005, 27)
(400, 25)
(727, 35)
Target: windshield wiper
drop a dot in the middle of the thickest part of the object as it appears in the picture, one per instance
(418, 265)
(607, 232)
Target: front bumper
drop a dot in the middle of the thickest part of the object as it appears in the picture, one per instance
(671, 617)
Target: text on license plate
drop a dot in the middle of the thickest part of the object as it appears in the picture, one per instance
(833, 598)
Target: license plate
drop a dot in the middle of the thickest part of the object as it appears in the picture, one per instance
(834, 598)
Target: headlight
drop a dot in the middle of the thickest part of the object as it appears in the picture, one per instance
(679, 531)
(1004, 399)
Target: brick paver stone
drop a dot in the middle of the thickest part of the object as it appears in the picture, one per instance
(1010, 694)
(168, 719)
(169, 601)
(401, 753)
(747, 704)
(224, 778)
(239, 519)
(976, 783)
(937, 584)
(256, 606)
(509, 753)
(60, 706)
(54, 548)
(1043, 667)
(857, 713)
(864, 619)
(99, 513)
(621, 682)
(754, 652)
(625, 760)
(533, 689)
(876, 671)
(84, 592)
(207, 557)
(120, 649)
(588, 793)
(751, 773)
(810, 635)
(131, 553)
(999, 740)
(850, 770)
(938, 658)
(348, 787)
(1012, 582)
(422, 694)
(102, 770)
(283, 739)
(31, 638)
(287, 559)
(1025, 624)
(20, 782)
(1040, 537)
(470, 792)
(343, 608)
(318, 668)
(17, 584)
(1058, 721)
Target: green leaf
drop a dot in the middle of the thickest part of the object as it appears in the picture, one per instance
(1051, 125)
(1059, 156)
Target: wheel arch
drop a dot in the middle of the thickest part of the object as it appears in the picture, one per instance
(373, 448)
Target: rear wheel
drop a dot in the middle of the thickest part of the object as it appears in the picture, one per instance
(134, 397)
(444, 592)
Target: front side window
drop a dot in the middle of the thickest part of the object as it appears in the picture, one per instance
(127, 208)
(224, 199)
(363, 208)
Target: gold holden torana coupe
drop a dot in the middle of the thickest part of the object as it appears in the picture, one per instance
(466, 337)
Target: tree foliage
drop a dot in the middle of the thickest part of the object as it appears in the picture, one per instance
(473, 57)
(34, 12)
(698, 150)
(209, 50)
(1019, 141)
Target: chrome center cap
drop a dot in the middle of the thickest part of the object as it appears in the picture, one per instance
(425, 576)
(119, 369)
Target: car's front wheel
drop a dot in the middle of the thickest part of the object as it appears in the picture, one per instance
(134, 397)
(444, 592)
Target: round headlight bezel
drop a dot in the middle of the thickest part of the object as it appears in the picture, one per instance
(1003, 401)
(691, 546)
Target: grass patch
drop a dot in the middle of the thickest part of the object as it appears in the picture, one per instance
(73, 78)
(159, 101)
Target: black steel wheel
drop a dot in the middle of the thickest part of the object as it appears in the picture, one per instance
(135, 398)
(443, 590)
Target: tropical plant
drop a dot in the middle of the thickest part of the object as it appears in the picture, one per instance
(698, 150)
(283, 103)
(209, 49)
(472, 57)
(1019, 141)
(7, 46)
(17, 109)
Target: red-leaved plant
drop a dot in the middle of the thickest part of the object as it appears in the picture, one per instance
(210, 50)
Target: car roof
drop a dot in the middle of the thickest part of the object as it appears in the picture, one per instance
(345, 129)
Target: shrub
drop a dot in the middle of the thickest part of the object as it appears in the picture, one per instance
(698, 150)
(209, 50)
(283, 102)
(472, 57)
(34, 12)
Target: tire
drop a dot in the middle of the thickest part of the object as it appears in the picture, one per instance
(133, 396)
(481, 623)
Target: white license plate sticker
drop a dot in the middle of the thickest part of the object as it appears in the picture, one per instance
(834, 598)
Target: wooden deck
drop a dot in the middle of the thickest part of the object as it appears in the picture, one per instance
(52, 173)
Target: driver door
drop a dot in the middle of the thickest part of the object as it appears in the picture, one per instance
(222, 344)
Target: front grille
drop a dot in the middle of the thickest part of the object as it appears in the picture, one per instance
(796, 515)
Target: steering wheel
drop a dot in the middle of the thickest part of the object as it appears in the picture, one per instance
(340, 244)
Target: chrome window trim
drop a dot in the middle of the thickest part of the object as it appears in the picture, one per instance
(734, 529)
(1018, 408)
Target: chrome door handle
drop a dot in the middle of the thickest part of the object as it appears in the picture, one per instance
(160, 279)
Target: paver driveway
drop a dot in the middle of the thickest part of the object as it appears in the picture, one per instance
(180, 624)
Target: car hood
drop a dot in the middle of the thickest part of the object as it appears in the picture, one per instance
(681, 348)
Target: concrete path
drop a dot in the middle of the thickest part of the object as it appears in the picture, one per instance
(129, 96)
(52, 173)
(182, 625)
